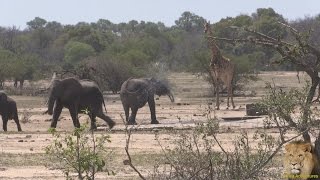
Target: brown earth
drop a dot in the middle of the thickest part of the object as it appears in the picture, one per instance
(23, 155)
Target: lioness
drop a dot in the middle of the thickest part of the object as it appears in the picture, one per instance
(300, 161)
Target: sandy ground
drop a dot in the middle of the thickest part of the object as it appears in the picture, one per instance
(192, 100)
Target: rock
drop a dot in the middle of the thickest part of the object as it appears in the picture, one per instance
(126, 162)
(28, 136)
(3, 169)
(255, 110)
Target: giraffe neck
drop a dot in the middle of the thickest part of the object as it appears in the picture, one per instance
(215, 50)
(216, 55)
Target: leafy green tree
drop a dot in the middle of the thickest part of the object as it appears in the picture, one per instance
(104, 25)
(77, 51)
(37, 23)
(90, 34)
(39, 37)
(266, 21)
(189, 22)
(6, 58)
(24, 67)
(135, 56)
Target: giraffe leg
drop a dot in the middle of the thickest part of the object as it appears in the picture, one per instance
(231, 96)
(217, 96)
(229, 90)
(228, 99)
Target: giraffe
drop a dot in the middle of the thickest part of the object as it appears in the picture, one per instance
(221, 68)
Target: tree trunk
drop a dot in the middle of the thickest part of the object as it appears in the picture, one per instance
(21, 83)
(306, 111)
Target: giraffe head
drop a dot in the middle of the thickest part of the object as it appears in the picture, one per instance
(206, 26)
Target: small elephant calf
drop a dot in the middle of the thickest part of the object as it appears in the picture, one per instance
(8, 110)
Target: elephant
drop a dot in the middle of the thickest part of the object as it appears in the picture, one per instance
(77, 96)
(8, 110)
(135, 93)
(92, 100)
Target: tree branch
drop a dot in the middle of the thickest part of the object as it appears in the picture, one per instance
(128, 134)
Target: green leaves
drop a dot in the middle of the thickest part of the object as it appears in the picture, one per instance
(17, 65)
(77, 51)
(81, 151)
(37, 23)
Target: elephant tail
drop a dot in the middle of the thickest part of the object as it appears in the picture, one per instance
(104, 105)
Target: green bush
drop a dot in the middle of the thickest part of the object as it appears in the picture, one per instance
(80, 152)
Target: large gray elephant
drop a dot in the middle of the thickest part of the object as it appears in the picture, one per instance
(92, 100)
(135, 93)
(8, 110)
(77, 96)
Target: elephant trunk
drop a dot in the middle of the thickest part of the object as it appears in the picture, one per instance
(171, 97)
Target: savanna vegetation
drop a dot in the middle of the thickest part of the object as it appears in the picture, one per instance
(109, 53)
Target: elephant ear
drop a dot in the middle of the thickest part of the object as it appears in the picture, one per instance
(3, 97)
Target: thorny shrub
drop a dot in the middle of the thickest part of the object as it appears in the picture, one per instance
(195, 155)
(285, 108)
(81, 152)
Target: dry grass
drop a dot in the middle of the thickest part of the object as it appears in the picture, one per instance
(192, 97)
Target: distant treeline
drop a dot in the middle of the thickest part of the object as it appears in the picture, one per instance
(103, 49)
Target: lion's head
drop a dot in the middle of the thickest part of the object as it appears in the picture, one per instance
(299, 158)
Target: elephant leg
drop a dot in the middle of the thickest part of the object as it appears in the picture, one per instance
(152, 107)
(56, 114)
(126, 111)
(74, 115)
(106, 118)
(132, 119)
(93, 122)
(5, 122)
(16, 120)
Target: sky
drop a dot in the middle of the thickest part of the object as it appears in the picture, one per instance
(18, 12)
